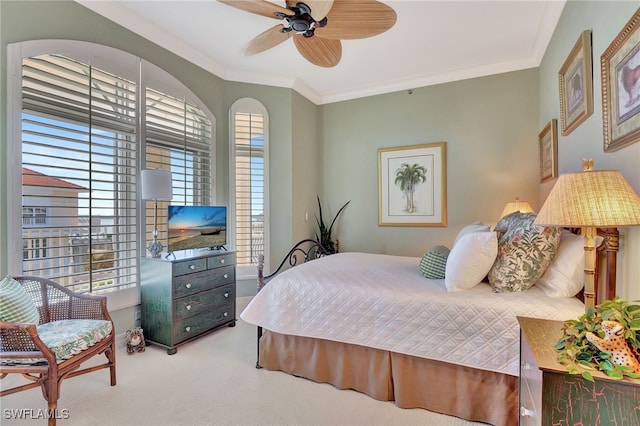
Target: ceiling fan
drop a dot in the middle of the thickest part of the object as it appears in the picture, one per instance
(317, 26)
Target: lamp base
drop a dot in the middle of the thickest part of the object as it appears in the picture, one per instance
(155, 248)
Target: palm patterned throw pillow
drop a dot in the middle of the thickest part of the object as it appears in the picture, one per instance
(525, 251)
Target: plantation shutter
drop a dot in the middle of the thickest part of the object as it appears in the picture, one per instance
(178, 138)
(249, 187)
(79, 171)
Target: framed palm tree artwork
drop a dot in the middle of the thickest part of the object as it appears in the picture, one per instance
(412, 185)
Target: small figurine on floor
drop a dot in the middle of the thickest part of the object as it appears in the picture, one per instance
(135, 340)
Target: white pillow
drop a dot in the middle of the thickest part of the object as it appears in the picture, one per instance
(470, 260)
(474, 227)
(565, 275)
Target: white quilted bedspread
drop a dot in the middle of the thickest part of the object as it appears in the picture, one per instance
(384, 302)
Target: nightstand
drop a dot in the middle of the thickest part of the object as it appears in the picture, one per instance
(551, 396)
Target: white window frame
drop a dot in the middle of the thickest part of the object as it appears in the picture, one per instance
(117, 61)
(251, 106)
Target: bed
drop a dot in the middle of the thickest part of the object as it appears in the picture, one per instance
(375, 324)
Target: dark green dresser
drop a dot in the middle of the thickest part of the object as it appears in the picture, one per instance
(185, 296)
(551, 396)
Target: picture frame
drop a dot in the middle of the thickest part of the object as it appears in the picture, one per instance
(548, 143)
(412, 185)
(575, 80)
(620, 71)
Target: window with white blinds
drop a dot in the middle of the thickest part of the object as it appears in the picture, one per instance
(178, 138)
(84, 134)
(249, 144)
(79, 166)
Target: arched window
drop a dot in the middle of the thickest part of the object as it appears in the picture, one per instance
(87, 119)
(249, 124)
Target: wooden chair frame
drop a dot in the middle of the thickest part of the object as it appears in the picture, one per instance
(21, 341)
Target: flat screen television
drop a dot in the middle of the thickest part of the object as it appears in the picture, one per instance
(197, 227)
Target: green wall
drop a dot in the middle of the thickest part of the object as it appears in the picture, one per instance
(490, 127)
(605, 19)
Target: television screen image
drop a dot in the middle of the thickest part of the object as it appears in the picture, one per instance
(197, 227)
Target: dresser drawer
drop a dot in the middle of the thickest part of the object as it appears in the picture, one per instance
(530, 387)
(529, 413)
(204, 301)
(193, 326)
(531, 375)
(189, 267)
(218, 261)
(185, 285)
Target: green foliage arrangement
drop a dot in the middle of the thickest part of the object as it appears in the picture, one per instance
(324, 236)
(579, 356)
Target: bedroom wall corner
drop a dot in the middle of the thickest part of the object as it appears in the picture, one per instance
(306, 166)
(605, 19)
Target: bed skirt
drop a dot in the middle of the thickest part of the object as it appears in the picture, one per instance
(409, 381)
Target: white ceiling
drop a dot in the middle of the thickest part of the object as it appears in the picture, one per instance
(432, 42)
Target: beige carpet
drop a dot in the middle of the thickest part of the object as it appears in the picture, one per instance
(210, 381)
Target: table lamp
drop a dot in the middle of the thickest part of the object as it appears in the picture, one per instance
(516, 206)
(156, 185)
(588, 200)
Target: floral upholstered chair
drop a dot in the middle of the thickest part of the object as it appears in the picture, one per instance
(47, 332)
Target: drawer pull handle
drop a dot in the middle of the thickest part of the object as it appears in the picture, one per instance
(188, 307)
(226, 295)
(187, 329)
(225, 314)
(192, 267)
(525, 412)
(221, 260)
(188, 285)
(226, 275)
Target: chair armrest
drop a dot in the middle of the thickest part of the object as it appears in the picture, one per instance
(20, 340)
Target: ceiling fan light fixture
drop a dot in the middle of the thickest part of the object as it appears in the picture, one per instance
(301, 24)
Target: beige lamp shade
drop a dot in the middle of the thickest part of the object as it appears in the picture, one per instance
(516, 206)
(600, 198)
(588, 200)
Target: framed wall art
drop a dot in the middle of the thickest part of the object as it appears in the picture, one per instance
(412, 185)
(548, 141)
(620, 68)
(576, 85)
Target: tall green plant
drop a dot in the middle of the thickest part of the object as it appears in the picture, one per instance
(579, 356)
(323, 235)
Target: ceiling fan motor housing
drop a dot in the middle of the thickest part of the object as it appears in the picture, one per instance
(302, 22)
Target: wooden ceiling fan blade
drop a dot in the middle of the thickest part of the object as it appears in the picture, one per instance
(319, 51)
(259, 7)
(354, 19)
(319, 8)
(268, 39)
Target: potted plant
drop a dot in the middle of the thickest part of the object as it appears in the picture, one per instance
(580, 356)
(323, 235)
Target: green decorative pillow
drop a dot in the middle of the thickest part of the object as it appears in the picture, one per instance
(15, 304)
(525, 251)
(434, 262)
